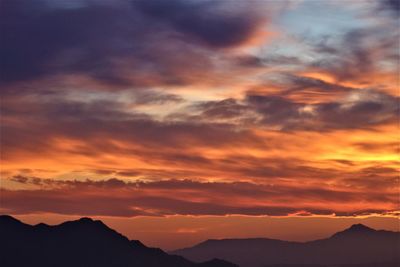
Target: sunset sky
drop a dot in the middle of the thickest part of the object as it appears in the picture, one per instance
(182, 120)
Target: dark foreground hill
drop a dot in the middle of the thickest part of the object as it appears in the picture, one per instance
(84, 242)
(358, 246)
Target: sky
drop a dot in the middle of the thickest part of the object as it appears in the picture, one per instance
(178, 121)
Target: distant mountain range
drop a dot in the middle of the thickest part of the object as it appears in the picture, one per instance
(81, 243)
(358, 246)
(90, 243)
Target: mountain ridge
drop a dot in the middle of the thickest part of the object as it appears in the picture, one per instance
(94, 239)
(355, 245)
(84, 242)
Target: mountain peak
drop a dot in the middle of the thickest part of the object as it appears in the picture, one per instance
(355, 230)
(359, 227)
(85, 220)
(87, 225)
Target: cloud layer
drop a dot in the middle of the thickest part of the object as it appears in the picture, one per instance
(114, 197)
(130, 108)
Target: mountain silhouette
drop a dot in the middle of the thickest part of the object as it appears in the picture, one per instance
(81, 243)
(357, 246)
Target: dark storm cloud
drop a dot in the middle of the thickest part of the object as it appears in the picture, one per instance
(38, 40)
(204, 21)
(119, 44)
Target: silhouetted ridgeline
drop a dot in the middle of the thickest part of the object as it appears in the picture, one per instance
(85, 243)
(88, 243)
(358, 246)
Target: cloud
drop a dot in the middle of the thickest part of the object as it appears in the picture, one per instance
(360, 109)
(355, 109)
(213, 23)
(373, 178)
(36, 125)
(224, 109)
(270, 60)
(186, 197)
(98, 127)
(124, 44)
(144, 97)
(360, 55)
(59, 40)
(391, 6)
(378, 146)
(309, 85)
